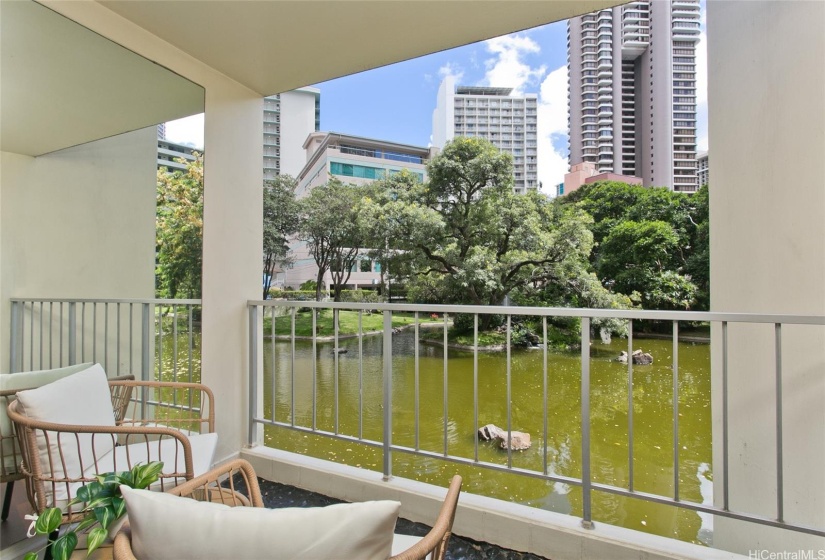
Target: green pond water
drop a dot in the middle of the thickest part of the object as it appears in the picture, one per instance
(652, 418)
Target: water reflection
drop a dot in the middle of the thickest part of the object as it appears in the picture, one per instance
(315, 398)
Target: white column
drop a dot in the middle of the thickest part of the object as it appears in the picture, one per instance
(232, 258)
(767, 135)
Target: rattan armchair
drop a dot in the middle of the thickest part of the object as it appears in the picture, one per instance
(10, 456)
(226, 484)
(154, 421)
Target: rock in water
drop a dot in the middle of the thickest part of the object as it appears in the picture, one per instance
(519, 442)
(642, 359)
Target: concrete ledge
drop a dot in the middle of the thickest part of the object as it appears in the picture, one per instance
(505, 524)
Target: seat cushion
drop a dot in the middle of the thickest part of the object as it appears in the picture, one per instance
(170, 527)
(168, 450)
(17, 382)
(83, 399)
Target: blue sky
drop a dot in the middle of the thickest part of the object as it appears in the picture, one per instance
(396, 102)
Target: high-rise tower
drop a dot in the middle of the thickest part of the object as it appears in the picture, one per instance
(508, 121)
(288, 119)
(632, 91)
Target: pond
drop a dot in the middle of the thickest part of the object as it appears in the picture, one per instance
(652, 418)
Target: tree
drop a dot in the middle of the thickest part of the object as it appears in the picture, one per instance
(330, 226)
(648, 242)
(464, 237)
(280, 223)
(180, 230)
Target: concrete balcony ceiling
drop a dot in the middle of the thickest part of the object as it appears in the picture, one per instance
(49, 63)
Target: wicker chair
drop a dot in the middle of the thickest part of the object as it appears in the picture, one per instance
(154, 421)
(10, 456)
(223, 485)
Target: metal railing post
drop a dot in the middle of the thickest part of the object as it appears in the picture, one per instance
(72, 333)
(145, 345)
(387, 438)
(15, 336)
(587, 516)
(253, 371)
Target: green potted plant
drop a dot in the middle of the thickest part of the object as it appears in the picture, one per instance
(104, 506)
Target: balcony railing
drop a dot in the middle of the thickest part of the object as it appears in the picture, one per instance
(160, 339)
(284, 393)
(153, 339)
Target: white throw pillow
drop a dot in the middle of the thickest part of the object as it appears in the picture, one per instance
(17, 382)
(82, 399)
(174, 528)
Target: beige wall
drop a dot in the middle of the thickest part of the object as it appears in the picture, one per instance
(766, 83)
(78, 223)
(233, 207)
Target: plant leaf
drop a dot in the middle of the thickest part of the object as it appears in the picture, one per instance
(102, 501)
(48, 521)
(63, 547)
(96, 537)
(144, 475)
(105, 516)
(119, 506)
(30, 556)
(87, 522)
(82, 495)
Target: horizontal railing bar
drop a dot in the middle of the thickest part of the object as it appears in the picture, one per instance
(422, 453)
(695, 316)
(556, 478)
(128, 300)
(706, 509)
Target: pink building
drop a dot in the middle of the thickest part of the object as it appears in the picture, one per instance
(585, 173)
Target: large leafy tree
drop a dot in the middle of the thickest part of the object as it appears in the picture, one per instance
(648, 242)
(180, 230)
(464, 237)
(280, 223)
(331, 229)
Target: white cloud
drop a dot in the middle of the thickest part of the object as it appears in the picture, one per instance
(506, 68)
(451, 69)
(552, 124)
(188, 130)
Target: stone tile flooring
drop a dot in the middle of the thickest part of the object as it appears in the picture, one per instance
(276, 495)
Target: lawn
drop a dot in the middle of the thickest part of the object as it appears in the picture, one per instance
(347, 322)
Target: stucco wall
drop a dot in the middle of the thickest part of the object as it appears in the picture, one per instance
(766, 82)
(78, 223)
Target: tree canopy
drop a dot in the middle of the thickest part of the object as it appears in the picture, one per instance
(331, 228)
(650, 243)
(180, 230)
(281, 217)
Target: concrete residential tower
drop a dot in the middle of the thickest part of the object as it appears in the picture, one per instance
(288, 119)
(508, 121)
(632, 91)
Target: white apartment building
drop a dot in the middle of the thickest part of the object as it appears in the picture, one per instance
(356, 160)
(494, 113)
(632, 91)
(703, 171)
(288, 118)
(168, 152)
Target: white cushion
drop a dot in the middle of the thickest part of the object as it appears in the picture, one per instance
(400, 543)
(25, 380)
(168, 450)
(83, 399)
(174, 528)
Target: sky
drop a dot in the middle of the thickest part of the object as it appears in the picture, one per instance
(396, 102)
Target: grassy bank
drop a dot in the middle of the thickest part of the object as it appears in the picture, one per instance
(347, 322)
